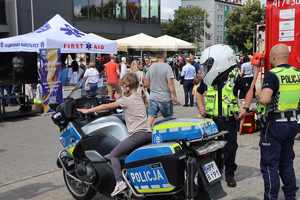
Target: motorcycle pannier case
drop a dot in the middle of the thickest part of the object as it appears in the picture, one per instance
(156, 168)
(183, 130)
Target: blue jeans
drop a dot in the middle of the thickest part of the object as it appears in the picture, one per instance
(166, 108)
(93, 90)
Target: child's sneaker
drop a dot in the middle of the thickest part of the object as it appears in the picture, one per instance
(120, 186)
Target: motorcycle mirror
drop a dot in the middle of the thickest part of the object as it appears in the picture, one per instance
(119, 110)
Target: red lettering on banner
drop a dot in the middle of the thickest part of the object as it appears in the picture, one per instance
(72, 46)
(282, 3)
(81, 46)
(65, 45)
(102, 46)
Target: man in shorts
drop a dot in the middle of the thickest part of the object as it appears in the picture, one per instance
(160, 80)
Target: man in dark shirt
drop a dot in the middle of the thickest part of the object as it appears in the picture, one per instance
(279, 126)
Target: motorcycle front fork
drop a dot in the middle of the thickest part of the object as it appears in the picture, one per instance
(190, 176)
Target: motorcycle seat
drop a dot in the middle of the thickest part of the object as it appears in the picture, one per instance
(164, 120)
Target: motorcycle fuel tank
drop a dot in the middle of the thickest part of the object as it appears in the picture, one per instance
(156, 168)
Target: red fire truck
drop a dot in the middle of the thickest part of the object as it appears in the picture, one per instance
(283, 26)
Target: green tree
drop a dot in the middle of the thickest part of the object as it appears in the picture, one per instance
(241, 25)
(188, 25)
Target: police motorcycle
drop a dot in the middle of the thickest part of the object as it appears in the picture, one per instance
(181, 162)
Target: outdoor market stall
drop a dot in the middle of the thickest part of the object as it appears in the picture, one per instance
(54, 37)
(142, 42)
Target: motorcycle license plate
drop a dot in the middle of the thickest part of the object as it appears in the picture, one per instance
(211, 171)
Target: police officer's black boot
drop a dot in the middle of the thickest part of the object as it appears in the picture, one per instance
(230, 181)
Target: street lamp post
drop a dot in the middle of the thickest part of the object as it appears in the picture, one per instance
(16, 17)
(32, 17)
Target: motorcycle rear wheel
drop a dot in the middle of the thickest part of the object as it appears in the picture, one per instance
(79, 191)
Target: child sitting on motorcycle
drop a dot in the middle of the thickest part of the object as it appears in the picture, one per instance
(136, 121)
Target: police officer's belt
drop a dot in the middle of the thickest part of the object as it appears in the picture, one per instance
(284, 116)
(221, 118)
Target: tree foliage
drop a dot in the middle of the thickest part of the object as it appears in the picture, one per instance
(241, 25)
(187, 24)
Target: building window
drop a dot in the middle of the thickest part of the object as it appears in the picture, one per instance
(138, 11)
(95, 9)
(81, 8)
(134, 10)
(108, 9)
(121, 9)
(2, 13)
(154, 11)
(145, 7)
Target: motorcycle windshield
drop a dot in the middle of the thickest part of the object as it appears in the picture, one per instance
(75, 93)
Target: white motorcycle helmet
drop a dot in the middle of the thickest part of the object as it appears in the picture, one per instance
(217, 59)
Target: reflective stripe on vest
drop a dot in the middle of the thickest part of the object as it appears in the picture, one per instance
(229, 101)
(211, 101)
(289, 88)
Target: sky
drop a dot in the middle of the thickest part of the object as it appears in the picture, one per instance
(168, 7)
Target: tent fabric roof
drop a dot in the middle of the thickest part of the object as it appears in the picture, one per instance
(139, 41)
(58, 33)
(145, 42)
(172, 43)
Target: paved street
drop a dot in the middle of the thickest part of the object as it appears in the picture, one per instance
(28, 149)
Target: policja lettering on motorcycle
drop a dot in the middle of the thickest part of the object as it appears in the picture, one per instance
(147, 176)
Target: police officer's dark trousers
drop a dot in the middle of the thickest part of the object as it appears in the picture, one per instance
(230, 149)
(277, 156)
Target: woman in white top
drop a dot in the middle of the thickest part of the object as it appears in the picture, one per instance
(91, 77)
(123, 67)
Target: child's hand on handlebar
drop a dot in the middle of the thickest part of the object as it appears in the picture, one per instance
(84, 110)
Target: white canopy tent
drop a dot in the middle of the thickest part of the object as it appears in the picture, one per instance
(145, 42)
(59, 34)
(169, 43)
(139, 41)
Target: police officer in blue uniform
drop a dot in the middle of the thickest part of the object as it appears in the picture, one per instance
(281, 96)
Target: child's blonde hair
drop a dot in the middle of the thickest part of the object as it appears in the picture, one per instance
(130, 80)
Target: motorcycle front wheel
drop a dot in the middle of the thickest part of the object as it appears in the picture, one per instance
(78, 190)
